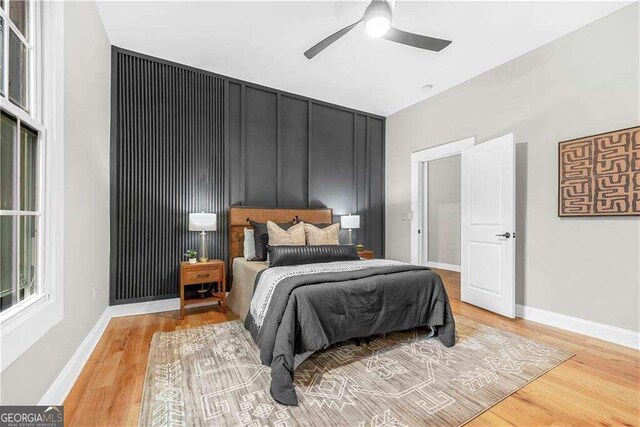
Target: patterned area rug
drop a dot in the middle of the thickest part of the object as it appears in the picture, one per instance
(211, 375)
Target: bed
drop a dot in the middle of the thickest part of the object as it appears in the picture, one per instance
(292, 311)
(244, 273)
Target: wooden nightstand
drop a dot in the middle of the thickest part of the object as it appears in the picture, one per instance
(203, 272)
(366, 254)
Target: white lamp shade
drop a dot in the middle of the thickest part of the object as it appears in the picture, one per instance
(350, 221)
(202, 222)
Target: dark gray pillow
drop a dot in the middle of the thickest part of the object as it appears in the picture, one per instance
(295, 255)
(261, 238)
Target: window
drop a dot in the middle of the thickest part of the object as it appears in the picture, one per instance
(20, 161)
(19, 217)
(31, 173)
(17, 51)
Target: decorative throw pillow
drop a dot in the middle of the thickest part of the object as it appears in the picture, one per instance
(324, 236)
(261, 238)
(296, 255)
(293, 236)
(249, 244)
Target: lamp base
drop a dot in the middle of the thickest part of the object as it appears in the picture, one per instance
(203, 248)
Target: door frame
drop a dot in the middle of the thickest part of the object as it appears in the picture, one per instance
(419, 194)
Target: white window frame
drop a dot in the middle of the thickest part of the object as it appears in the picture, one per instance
(31, 39)
(29, 118)
(23, 325)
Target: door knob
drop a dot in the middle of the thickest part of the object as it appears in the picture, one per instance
(505, 235)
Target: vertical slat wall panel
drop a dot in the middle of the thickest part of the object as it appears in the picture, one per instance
(234, 142)
(168, 159)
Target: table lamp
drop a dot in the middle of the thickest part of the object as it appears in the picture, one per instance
(202, 222)
(350, 222)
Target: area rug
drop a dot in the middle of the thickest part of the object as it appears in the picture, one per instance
(211, 375)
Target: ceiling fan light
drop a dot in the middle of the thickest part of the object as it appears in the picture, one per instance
(377, 26)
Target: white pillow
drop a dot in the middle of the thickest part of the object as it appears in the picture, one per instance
(249, 244)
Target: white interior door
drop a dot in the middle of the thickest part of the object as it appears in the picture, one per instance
(488, 225)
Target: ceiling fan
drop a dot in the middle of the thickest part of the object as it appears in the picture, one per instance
(377, 23)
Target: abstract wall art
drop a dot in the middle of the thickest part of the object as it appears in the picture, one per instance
(599, 175)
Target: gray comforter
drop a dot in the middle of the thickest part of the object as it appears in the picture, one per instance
(296, 311)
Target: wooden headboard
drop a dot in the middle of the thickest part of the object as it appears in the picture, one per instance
(239, 216)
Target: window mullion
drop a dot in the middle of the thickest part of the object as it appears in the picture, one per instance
(14, 267)
(35, 63)
(18, 207)
(16, 112)
(5, 54)
(21, 37)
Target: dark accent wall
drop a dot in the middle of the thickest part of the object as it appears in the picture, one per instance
(289, 151)
(167, 159)
(186, 140)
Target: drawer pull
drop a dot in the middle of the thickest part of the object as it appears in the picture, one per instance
(202, 275)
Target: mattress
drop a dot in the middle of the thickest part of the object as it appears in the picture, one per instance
(244, 274)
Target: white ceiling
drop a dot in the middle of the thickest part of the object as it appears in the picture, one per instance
(263, 42)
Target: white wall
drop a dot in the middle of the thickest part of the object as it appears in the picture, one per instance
(584, 83)
(86, 206)
(443, 181)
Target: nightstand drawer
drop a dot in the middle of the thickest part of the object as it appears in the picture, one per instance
(203, 275)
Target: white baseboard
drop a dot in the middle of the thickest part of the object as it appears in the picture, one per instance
(444, 266)
(61, 386)
(145, 307)
(601, 331)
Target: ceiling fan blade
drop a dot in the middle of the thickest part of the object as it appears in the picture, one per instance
(416, 40)
(322, 45)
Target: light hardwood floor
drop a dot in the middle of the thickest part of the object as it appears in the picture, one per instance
(598, 386)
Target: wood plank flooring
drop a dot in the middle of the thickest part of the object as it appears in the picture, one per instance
(600, 385)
